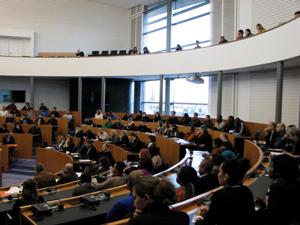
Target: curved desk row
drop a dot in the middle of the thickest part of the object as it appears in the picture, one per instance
(252, 152)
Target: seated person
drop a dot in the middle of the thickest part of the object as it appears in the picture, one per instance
(144, 128)
(79, 133)
(270, 134)
(90, 135)
(17, 129)
(54, 112)
(280, 140)
(195, 121)
(108, 124)
(156, 158)
(89, 151)
(118, 124)
(222, 40)
(234, 203)
(27, 107)
(29, 196)
(186, 120)
(130, 125)
(152, 200)
(3, 129)
(138, 116)
(67, 175)
(99, 114)
(114, 138)
(68, 115)
(10, 118)
(284, 192)
(124, 139)
(69, 145)
(40, 120)
(37, 135)
(115, 180)
(43, 107)
(159, 128)
(190, 134)
(26, 120)
(146, 165)
(186, 177)
(44, 112)
(173, 119)
(85, 185)
(88, 121)
(135, 144)
(174, 132)
(110, 115)
(8, 139)
(239, 127)
(240, 35)
(219, 124)
(203, 139)
(124, 207)
(42, 178)
(4, 111)
(102, 135)
(226, 143)
(157, 117)
(54, 124)
(145, 118)
(229, 125)
(106, 152)
(207, 122)
(207, 181)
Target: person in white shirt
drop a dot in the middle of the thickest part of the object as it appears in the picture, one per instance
(4, 112)
(68, 115)
(99, 114)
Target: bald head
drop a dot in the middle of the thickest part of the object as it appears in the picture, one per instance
(68, 168)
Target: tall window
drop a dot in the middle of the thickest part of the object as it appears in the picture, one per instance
(150, 96)
(190, 21)
(155, 27)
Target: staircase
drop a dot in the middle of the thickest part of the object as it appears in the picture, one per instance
(22, 167)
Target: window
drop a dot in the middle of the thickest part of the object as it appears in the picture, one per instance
(150, 96)
(190, 21)
(194, 100)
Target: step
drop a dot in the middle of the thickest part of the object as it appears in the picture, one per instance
(20, 171)
(22, 167)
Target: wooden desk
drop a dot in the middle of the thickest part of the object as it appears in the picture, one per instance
(53, 160)
(4, 158)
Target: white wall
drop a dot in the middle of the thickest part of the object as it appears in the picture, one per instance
(67, 25)
(53, 92)
(256, 95)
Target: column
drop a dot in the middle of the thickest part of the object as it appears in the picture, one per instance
(167, 96)
(279, 84)
(131, 97)
(161, 91)
(31, 92)
(219, 93)
(79, 94)
(103, 91)
(137, 96)
(169, 25)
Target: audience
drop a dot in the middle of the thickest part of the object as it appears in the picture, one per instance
(234, 203)
(284, 192)
(271, 134)
(186, 177)
(219, 124)
(240, 35)
(54, 112)
(42, 178)
(152, 198)
(115, 180)
(178, 47)
(145, 50)
(207, 181)
(260, 28)
(67, 175)
(85, 185)
(222, 40)
(248, 33)
(173, 119)
(198, 44)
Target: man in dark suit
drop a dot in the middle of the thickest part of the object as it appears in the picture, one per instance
(67, 175)
(85, 185)
(43, 178)
(207, 181)
(37, 135)
(173, 119)
(89, 151)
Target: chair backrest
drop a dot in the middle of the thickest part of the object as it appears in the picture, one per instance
(122, 52)
(113, 52)
(104, 53)
(95, 53)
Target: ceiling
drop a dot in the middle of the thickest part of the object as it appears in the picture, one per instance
(126, 4)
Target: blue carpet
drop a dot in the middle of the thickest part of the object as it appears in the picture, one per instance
(19, 171)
